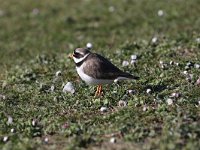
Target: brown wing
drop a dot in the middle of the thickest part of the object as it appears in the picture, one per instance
(100, 68)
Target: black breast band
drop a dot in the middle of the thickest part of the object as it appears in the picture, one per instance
(79, 63)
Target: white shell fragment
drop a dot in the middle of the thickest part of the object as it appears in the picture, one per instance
(69, 88)
(148, 91)
(154, 40)
(189, 77)
(169, 101)
(113, 140)
(34, 122)
(89, 45)
(58, 73)
(125, 63)
(12, 130)
(5, 138)
(133, 57)
(131, 91)
(103, 109)
(10, 120)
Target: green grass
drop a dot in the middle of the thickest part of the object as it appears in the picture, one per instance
(35, 40)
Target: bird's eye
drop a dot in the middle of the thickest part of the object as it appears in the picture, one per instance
(77, 55)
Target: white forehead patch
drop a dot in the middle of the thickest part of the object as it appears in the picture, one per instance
(80, 52)
(77, 60)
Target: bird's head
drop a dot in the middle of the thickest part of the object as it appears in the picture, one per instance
(80, 54)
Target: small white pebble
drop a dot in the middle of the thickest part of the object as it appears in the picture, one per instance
(113, 140)
(122, 103)
(10, 120)
(145, 108)
(197, 66)
(169, 101)
(161, 62)
(163, 66)
(148, 91)
(125, 63)
(52, 88)
(160, 13)
(46, 140)
(103, 109)
(185, 72)
(198, 40)
(5, 138)
(89, 45)
(111, 9)
(69, 88)
(33, 122)
(12, 130)
(177, 64)
(58, 73)
(175, 95)
(133, 57)
(154, 40)
(199, 102)
(131, 91)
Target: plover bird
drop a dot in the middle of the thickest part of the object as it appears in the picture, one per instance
(94, 69)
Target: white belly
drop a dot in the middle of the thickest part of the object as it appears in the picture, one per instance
(91, 81)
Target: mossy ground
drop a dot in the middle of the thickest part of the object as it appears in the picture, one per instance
(35, 40)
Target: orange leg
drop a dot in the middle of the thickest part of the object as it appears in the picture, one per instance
(98, 91)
